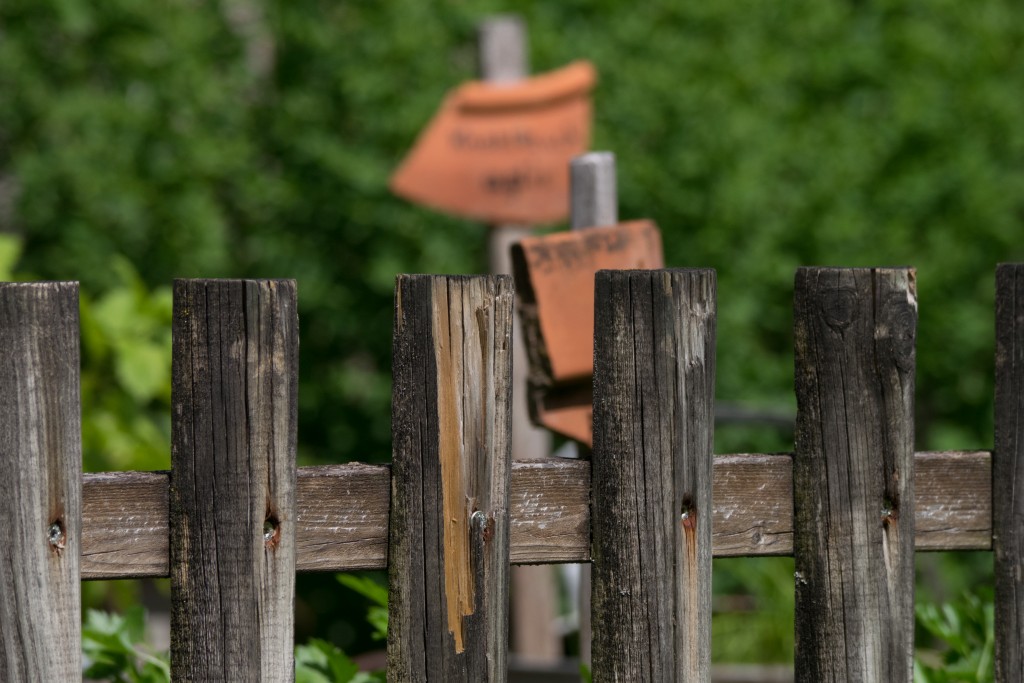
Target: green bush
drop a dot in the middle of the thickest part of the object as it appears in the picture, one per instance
(760, 136)
(115, 650)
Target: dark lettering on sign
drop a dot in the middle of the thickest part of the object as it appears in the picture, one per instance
(513, 182)
(508, 183)
(540, 257)
(519, 138)
(606, 240)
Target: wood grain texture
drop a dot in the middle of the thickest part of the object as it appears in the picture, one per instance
(40, 483)
(342, 517)
(853, 472)
(449, 526)
(550, 506)
(124, 525)
(1008, 475)
(232, 493)
(654, 376)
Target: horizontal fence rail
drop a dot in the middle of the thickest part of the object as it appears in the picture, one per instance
(342, 517)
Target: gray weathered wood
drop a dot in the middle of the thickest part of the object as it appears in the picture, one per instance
(40, 483)
(342, 518)
(351, 501)
(1008, 475)
(853, 474)
(654, 378)
(232, 492)
(593, 191)
(501, 49)
(124, 525)
(449, 526)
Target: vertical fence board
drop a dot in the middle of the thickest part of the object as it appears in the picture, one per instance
(853, 474)
(40, 483)
(1008, 474)
(232, 496)
(654, 370)
(449, 532)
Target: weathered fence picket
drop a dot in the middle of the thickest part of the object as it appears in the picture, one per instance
(232, 489)
(853, 473)
(40, 483)
(1008, 475)
(234, 520)
(654, 379)
(449, 530)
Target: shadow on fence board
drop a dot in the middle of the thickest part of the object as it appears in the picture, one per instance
(235, 519)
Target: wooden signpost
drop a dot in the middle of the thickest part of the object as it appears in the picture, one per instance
(499, 152)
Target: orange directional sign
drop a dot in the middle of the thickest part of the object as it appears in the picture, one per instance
(555, 282)
(500, 153)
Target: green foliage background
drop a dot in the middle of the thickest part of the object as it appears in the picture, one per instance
(143, 142)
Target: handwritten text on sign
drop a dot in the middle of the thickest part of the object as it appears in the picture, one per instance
(500, 153)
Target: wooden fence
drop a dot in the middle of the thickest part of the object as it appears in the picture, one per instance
(235, 519)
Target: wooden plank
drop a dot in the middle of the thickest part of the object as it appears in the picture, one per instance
(343, 511)
(232, 493)
(953, 500)
(853, 469)
(40, 482)
(654, 376)
(550, 505)
(449, 526)
(1008, 474)
(343, 517)
(124, 525)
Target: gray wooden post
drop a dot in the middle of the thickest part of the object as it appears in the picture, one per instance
(654, 379)
(40, 483)
(232, 492)
(853, 474)
(504, 58)
(449, 530)
(1008, 475)
(593, 191)
(502, 55)
(593, 203)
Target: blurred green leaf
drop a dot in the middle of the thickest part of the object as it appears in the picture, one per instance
(10, 252)
(959, 640)
(377, 615)
(113, 647)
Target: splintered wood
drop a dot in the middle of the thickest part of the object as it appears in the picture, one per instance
(449, 525)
